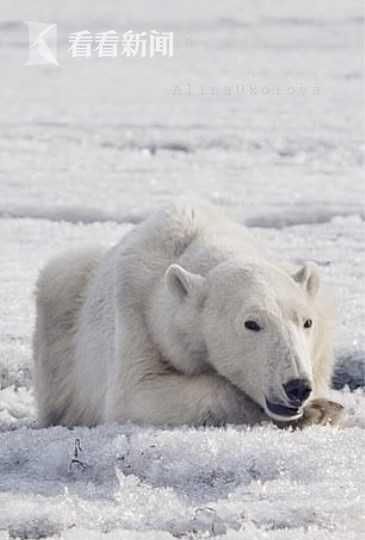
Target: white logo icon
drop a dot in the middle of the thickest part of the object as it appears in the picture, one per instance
(42, 44)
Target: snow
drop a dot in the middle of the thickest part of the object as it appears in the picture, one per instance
(86, 150)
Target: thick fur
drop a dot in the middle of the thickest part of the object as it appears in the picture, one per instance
(153, 331)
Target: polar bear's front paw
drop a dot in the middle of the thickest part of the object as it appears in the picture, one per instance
(322, 412)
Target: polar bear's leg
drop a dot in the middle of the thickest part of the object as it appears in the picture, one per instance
(207, 399)
(59, 297)
(147, 392)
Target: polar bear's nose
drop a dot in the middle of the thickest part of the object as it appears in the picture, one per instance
(297, 390)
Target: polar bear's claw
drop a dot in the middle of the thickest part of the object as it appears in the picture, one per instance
(323, 412)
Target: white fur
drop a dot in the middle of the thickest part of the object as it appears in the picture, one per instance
(153, 330)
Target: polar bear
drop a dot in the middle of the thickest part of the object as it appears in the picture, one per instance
(183, 322)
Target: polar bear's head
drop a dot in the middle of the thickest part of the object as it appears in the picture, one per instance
(255, 324)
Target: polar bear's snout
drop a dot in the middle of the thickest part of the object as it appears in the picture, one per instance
(297, 391)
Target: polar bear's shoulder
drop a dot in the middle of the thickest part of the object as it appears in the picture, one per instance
(179, 220)
(185, 216)
(173, 227)
(185, 232)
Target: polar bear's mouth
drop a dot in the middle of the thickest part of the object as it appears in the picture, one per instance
(282, 411)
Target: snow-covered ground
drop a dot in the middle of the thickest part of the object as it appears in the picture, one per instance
(259, 111)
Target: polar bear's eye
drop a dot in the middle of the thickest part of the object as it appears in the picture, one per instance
(308, 323)
(252, 325)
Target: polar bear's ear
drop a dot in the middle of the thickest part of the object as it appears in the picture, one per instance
(181, 282)
(308, 277)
